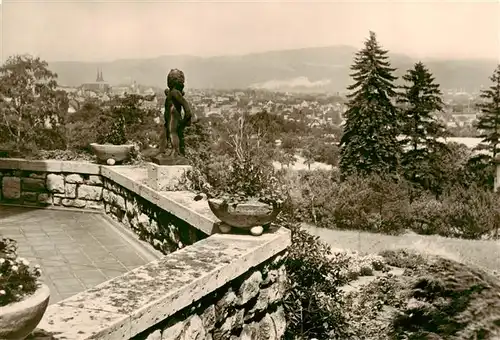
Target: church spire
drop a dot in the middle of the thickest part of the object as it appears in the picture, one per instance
(99, 75)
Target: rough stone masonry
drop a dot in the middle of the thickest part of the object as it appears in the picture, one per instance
(45, 189)
(248, 308)
(161, 229)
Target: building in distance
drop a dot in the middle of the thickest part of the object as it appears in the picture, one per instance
(99, 86)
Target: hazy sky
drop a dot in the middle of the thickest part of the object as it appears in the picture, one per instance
(107, 30)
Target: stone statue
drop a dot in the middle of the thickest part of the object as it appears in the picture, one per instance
(177, 113)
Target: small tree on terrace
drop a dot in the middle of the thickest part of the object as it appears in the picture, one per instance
(420, 100)
(489, 120)
(369, 144)
(32, 110)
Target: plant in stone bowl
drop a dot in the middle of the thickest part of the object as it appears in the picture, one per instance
(23, 298)
(243, 188)
(120, 119)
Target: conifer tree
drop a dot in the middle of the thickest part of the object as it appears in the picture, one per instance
(489, 120)
(420, 100)
(369, 144)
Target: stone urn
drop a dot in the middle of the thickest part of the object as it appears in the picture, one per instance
(251, 215)
(111, 154)
(19, 319)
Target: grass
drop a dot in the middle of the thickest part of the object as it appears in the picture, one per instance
(482, 253)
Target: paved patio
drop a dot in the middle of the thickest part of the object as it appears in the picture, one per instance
(76, 250)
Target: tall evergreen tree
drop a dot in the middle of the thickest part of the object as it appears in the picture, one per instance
(489, 120)
(369, 144)
(420, 100)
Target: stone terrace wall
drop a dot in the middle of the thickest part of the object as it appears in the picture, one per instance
(161, 229)
(164, 231)
(247, 308)
(38, 188)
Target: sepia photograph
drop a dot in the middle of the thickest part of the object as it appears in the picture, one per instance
(249, 170)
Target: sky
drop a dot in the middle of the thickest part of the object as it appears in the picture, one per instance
(88, 30)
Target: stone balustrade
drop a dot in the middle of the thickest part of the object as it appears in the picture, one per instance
(207, 286)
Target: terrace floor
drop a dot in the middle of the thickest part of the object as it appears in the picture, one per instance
(76, 250)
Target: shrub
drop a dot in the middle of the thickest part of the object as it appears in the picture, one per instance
(118, 121)
(313, 299)
(431, 298)
(17, 280)
(472, 213)
(427, 216)
(444, 299)
(311, 193)
(373, 204)
(249, 174)
(379, 204)
(480, 171)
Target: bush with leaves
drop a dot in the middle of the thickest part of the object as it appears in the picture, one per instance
(313, 300)
(480, 171)
(118, 121)
(470, 213)
(374, 203)
(82, 127)
(17, 279)
(370, 203)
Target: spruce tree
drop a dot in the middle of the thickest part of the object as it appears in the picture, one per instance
(420, 100)
(369, 143)
(489, 120)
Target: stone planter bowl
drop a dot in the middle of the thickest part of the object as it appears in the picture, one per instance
(118, 153)
(250, 215)
(19, 319)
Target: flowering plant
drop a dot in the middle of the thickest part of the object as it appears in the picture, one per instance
(17, 279)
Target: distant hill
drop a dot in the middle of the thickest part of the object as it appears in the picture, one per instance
(307, 69)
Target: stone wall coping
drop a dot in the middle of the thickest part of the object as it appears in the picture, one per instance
(50, 166)
(121, 175)
(136, 301)
(164, 199)
(139, 299)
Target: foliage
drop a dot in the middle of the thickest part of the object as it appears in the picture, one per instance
(32, 110)
(472, 213)
(369, 144)
(319, 149)
(312, 301)
(267, 125)
(308, 156)
(17, 280)
(82, 126)
(380, 204)
(433, 298)
(480, 171)
(448, 299)
(420, 100)
(249, 173)
(374, 203)
(118, 121)
(489, 120)
(326, 152)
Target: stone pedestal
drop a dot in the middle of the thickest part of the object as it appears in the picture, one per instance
(167, 177)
